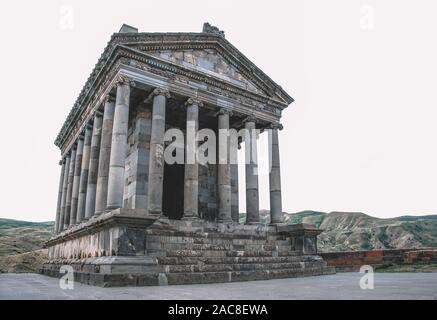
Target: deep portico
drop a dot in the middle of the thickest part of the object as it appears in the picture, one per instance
(125, 216)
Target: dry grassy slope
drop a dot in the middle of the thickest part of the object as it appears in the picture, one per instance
(23, 262)
(357, 231)
(22, 236)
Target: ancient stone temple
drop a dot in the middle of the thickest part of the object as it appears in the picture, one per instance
(128, 216)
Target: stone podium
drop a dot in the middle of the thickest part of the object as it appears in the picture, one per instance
(128, 216)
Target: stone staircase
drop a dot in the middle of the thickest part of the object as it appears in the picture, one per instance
(169, 252)
(191, 254)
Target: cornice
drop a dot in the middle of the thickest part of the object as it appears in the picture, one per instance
(124, 45)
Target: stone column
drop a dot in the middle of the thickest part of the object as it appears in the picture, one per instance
(224, 168)
(118, 145)
(69, 188)
(64, 193)
(76, 180)
(60, 189)
(156, 160)
(252, 198)
(83, 182)
(235, 211)
(105, 154)
(276, 215)
(191, 184)
(90, 202)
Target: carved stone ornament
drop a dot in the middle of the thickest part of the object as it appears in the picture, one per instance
(208, 28)
(276, 126)
(223, 111)
(192, 101)
(161, 92)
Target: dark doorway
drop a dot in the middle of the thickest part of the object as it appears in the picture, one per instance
(173, 191)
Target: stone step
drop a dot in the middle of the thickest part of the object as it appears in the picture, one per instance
(152, 239)
(201, 267)
(236, 260)
(216, 247)
(224, 253)
(233, 276)
(213, 234)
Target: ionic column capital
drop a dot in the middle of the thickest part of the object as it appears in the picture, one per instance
(161, 92)
(125, 80)
(250, 118)
(109, 98)
(275, 126)
(190, 101)
(98, 114)
(223, 111)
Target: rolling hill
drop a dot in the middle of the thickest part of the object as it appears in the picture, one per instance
(23, 236)
(343, 231)
(350, 231)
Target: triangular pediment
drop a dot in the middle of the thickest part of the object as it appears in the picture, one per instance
(211, 62)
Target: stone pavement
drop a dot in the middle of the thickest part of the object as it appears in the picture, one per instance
(338, 286)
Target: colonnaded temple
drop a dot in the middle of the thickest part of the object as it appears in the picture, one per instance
(127, 216)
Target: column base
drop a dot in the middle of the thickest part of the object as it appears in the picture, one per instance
(190, 218)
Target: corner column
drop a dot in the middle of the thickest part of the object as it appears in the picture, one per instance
(252, 197)
(64, 193)
(93, 166)
(60, 189)
(105, 154)
(118, 145)
(83, 182)
(224, 169)
(191, 184)
(76, 180)
(276, 215)
(69, 188)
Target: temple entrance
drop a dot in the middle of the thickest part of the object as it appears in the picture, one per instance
(173, 191)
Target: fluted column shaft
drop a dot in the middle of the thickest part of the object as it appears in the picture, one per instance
(252, 197)
(156, 160)
(60, 189)
(64, 193)
(104, 156)
(224, 169)
(118, 146)
(276, 215)
(90, 202)
(191, 183)
(69, 188)
(76, 180)
(83, 182)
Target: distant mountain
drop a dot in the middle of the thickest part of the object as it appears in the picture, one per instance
(345, 231)
(342, 231)
(23, 236)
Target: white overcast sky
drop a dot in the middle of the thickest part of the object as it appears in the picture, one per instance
(361, 135)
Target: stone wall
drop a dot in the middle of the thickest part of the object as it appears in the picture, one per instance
(352, 260)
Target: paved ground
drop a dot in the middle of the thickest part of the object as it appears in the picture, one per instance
(339, 286)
